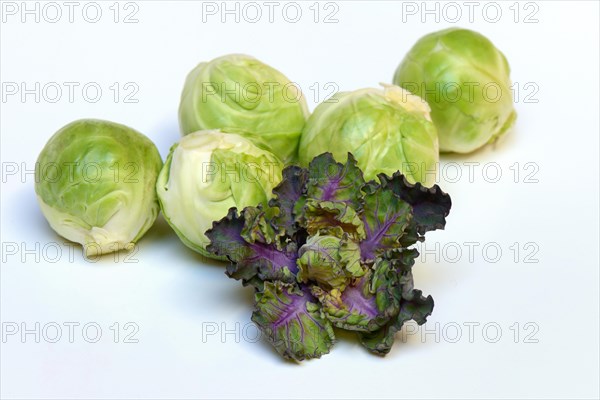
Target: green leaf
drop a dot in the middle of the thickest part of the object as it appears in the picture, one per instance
(386, 218)
(330, 261)
(367, 304)
(287, 195)
(430, 206)
(332, 218)
(290, 319)
(329, 180)
(413, 306)
(252, 246)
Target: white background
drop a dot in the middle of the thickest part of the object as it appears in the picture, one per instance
(173, 295)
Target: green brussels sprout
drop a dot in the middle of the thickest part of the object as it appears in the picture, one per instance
(239, 94)
(385, 129)
(208, 172)
(465, 79)
(95, 184)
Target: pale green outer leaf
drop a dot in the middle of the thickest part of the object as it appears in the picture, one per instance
(207, 173)
(240, 94)
(95, 184)
(466, 81)
(385, 129)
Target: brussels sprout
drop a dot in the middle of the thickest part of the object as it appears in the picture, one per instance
(465, 79)
(206, 174)
(95, 184)
(239, 94)
(385, 129)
